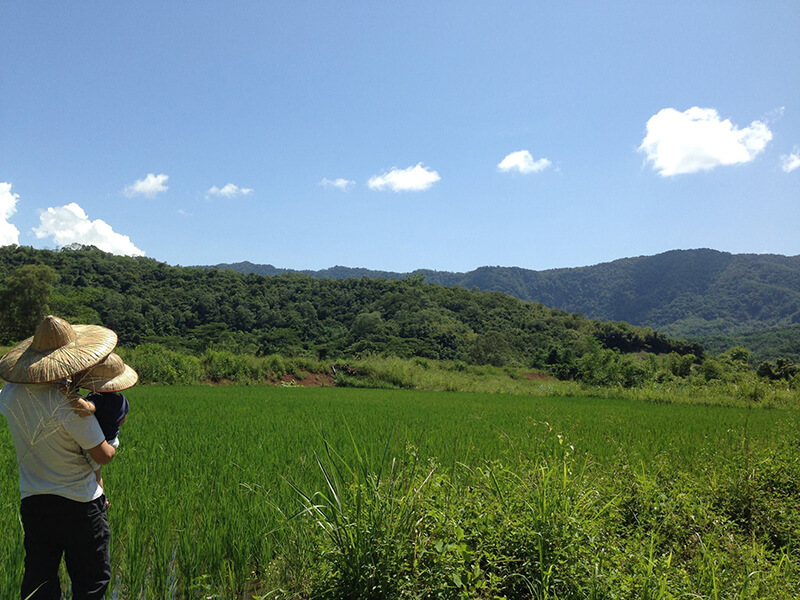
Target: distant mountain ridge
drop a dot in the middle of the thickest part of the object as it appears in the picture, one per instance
(694, 294)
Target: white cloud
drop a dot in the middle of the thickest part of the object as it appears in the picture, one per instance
(69, 225)
(229, 190)
(9, 234)
(149, 186)
(775, 115)
(789, 162)
(341, 183)
(698, 140)
(412, 179)
(523, 162)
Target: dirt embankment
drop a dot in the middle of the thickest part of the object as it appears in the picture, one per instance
(535, 376)
(309, 380)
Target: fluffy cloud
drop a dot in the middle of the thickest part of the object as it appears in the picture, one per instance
(149, 186)
(789, 162)
(8, 206)
(412, 179)
(523, 162)
(698, 140)
(229, 190)
(341, 183)
(69, 225)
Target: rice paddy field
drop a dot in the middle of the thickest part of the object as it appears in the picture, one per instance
(289, 492)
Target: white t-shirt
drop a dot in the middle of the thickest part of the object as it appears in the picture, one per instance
(48, 437)
(92, 462)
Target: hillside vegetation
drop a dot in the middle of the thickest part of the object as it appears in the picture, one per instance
(186, 325)
(693, 294)
(193, 309)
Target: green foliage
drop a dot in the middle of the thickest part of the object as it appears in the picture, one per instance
(221, 365)
(757, 495)
(783, 368)
(217, 317)
(556, 526)
(366, 325)
(441, 496)
(198, 310)
(681, 366)
(737, 354)
(489, 348)
(720, 299)
(602, 367)
(599, 372)
(369, 515)
(714, 297)
(24, 300)
(155, 363)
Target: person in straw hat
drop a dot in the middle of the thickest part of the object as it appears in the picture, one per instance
(105, 381)
(62, 504)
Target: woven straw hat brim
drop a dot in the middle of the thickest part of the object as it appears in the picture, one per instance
(114, 384)
(24, 364)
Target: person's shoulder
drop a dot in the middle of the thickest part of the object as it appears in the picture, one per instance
(107, 395)
(6, 392)
(11, 389)
(41, 394)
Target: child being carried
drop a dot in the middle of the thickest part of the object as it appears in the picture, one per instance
(105, 381)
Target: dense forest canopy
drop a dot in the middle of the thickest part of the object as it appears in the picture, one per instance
(193, 309)
(693, 294)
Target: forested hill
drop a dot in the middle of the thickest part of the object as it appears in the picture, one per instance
(196, 308)
(695, 294)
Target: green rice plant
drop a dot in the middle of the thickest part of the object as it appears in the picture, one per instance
(509, 495)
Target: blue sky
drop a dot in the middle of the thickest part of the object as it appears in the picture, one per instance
(397, 136)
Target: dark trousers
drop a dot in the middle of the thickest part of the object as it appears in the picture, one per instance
(55, 526)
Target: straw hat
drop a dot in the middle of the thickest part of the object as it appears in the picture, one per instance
(57, 350)
(110, 375)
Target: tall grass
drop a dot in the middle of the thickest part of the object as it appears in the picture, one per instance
(157, 364)
(369, 515)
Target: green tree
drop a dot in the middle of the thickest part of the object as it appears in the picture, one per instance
(25, 300)
(366, 325)
(489, 348)
(783, 368)
(738, 354)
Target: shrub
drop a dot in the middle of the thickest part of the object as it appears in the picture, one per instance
(369, 518)
(224, 365)
(156, 364)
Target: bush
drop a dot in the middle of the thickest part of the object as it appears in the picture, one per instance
(369, 516)
(404, 529)
(156, 364)
(226, 366)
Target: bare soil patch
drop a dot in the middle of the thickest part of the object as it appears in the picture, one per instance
(310, 380)
(537, 376)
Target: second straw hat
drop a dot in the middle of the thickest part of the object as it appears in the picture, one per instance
(110, 375)
(57, 350)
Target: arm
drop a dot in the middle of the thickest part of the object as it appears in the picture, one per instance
(82, 407)
(102, 453)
